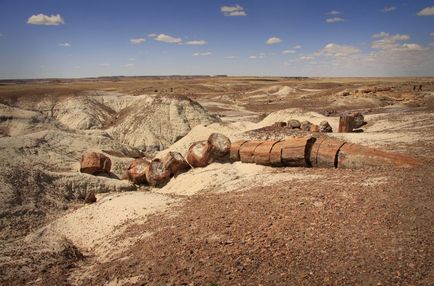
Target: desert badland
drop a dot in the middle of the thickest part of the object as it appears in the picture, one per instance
(227, 223)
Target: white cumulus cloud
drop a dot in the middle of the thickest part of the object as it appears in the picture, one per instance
(196, 42)
(202, 54)
(273, 40)
(334, 12)
(388, 9)
(137, 41)
(428, 11)
(66, 45)
(167, 39)
(388, 42)
(42, 19)
(236, 10)
(339, 50)
(288, 51)
(296, 47)
(334, 20)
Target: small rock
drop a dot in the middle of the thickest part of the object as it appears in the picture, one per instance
(324, 126)
(90, 198)
(294, 123)
(305, 125)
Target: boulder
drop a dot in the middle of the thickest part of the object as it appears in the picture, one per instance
(220, 146)
(175, 163)
(136, 172)
(294, 123)
(324, 126)
(95, 163)
(156, 173)
(305, 125)
(199, 154)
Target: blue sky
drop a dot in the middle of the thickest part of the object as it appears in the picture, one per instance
(59, 38)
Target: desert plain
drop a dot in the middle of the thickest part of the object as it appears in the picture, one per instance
(226, 223)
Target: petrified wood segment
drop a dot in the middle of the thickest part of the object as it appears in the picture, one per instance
(325, 151)
(247, 151)
(262, 152)
(357, 156)
(156, 174)
(276, 154)
(220, 146)
(199, 154)
(296, 151)
(346, 123)
(136, 171)
(235, 150)
(94, 163)
(175, 163)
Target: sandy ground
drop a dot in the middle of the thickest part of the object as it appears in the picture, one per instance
(225, 223)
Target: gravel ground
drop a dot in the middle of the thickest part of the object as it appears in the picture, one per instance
(356, 227)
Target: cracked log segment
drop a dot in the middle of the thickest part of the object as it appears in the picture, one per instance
(262, 152)
(156, 173)
(175, 163)
(136, 171)
(234, 154)
(95, 163)
(357, 156)
(220, 147)
(199, 154)
(292, 152)
(247, 151)
(325, 151)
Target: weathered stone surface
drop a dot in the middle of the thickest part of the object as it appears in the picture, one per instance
(262, 153)
(247, 151)
(136, 172)
(235, 150)
(294, 123)
(220, 146)
(305, 125)
(199, 154)
(175, 163)
(325, 127)
(94, 163)
(358, 156)
(156, 173)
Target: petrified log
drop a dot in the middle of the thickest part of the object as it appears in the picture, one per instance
(262, 153)
(325, 151)
(94, 163)
(156, 173)
(136, 171)
(175, 163)
(296, 151)
(235, 150)
(358, 156)
(346, 123)
(220, 146)
(199, 154)
(247, 151)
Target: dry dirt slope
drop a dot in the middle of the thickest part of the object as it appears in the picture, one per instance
(223, 224)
